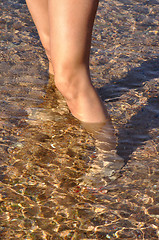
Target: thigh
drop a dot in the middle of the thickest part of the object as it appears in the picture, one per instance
(71, 23)
(39, 12)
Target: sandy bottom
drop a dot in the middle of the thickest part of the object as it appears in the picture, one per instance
(44, 151)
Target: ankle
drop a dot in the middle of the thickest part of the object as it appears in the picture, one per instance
(51, 70)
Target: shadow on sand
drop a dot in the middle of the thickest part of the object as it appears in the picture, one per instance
(136, 131)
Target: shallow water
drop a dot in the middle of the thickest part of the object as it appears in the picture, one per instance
(43, 150)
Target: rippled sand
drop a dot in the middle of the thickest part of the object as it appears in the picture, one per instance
(44, 151)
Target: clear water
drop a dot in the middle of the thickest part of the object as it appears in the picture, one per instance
(43, 150)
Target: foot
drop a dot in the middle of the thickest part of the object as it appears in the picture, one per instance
(104, 169)
(107, 165)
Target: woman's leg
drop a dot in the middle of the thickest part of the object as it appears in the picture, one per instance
(71, 24)
(39, 12)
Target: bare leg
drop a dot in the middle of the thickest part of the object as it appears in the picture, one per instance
(67, 34)
(39, 12)
(71, 24)
(66, 37)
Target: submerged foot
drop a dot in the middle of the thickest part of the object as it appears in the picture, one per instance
(103, 170)
(107, 164)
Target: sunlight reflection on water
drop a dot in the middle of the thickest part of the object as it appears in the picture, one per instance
(45, 152)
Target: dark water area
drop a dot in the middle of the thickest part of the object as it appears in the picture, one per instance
(44, 150)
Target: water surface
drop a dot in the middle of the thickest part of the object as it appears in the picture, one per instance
(43, 150)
